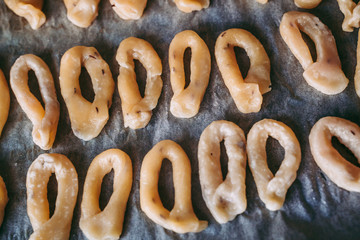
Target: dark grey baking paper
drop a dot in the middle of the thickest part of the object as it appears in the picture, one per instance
(315, 208)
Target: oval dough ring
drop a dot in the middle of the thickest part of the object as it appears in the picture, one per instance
(351, 13)
(87, 123)
(58, 226)
(106, 224)
(186, 102)
(137, 111)
(182, 218)
(225, 199)
(272, 190)
(129, 9)
(3, 199)
(188, 6)
(325, 74)
(341, 172)
(247, 93)
(30, 10)
(82, 12)
(45, 121)
(4, 101)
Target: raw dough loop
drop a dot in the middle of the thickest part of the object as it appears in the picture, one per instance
(45, 121)
(137, 111)
(325, 74)
(339, 170)
(106, 224)
(351, 13)
(30, 10)
(129, 9)
(186, 102)
(58, 226)
(182, 218)
(188, 6)
(225, 199)
(272, 190)
(4, 101)
(3, 199)
(82, 12)
(87, 119)
(247, 94)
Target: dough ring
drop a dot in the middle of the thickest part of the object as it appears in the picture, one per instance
(3, 199)
(82, 12)
(325, 74)
(45, 121)
(182, 218)
(58, 226)
(129, 9)
(186, 102)
(351, 12)
(137, 111)
(272, 190)
(247, 93)
(341, 172)
(87, 123)
(225, 199)
(188, 6)
(30, 10)
(106, 224)
(4, 101)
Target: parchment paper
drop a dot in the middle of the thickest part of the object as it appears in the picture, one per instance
(314, 208)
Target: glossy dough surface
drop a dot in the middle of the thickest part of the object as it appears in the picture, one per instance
(339, 170)
(82, 12)
(272, 189)
(186, 102)
(129, 9)
(191, 5)
(137, 110)
(181, 218)
(247, 93)
(58, 226)
(3, 199)
(4, 101)
(87, 119)
(325, 74)
(106, 224)
(225, 199)
(30, 10)
(46, 120)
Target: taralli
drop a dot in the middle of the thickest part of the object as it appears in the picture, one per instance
(137, 111)
(272, 190)
(106, 224)
(87, 119)
(191, 5)
(339, 170)
(182, 218)
(46, 120)
(58, 226)
(129, 9)
(4, 101)
(225, 199)
(247, 93)
(3, 199)
(82, 12)
(325, 74)
(351, 12)
(30, 10)
(186, 102)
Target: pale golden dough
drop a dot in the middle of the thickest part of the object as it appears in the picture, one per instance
(186, 102)
(137, 110)
(308, 4)
(46, 120)
(357, 70)
(191, 5)
(325, 74)
(106, 224)
(272, 190)
(351, 12)
(82, 12)
(4, 101)
(129, 9)
(247, 93)
(30, 10)
(87, 119)
(3, 199)
(224, 198)
(182, 218)
(58, 226)
(339, 170)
